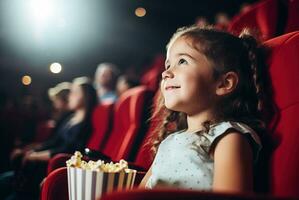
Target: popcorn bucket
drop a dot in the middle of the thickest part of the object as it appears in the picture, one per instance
(91, 185)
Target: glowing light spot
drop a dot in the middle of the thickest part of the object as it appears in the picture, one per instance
(55, 68)
(140, 12)
(26, 80)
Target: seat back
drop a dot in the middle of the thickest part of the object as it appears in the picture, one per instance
(55, 185)
(151, 78)
(263, 16)
(101, 122)
(145, 155)
(129, 123)
(293, 16)
(284, 72)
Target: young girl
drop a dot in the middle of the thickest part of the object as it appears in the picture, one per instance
(211, 98)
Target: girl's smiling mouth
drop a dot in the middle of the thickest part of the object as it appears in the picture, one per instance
(172, 87)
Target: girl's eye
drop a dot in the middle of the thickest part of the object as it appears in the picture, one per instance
(167, 67)
(182, 61)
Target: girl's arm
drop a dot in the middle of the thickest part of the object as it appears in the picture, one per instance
(145, 178)
(233, 163)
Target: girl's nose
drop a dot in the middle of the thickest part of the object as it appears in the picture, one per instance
(167, 74)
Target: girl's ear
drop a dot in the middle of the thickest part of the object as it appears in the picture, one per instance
(227, 83)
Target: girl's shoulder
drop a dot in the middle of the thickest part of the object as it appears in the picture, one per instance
(223, 127)
(218, 130)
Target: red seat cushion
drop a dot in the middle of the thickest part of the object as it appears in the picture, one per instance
(55, 185)
(101, 122)
(129, 120)
(151, 78)
(262, 16)
(293, 16)
(284, 72)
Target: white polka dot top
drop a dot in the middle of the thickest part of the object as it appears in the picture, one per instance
(183, 161)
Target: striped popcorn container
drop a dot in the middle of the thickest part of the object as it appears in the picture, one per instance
(91, 185)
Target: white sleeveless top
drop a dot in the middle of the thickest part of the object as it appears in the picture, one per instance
(183, 159)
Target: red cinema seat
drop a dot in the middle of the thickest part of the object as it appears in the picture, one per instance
(293, 16)
(151, 78)
(131, 113)
(263, 17)
(144, 156)
(284, 72)
(55, 186)
(102, 122)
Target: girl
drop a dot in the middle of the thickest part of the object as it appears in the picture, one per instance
(211, 98)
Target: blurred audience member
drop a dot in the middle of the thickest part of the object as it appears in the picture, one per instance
(244, 7)
(222, 21)
(75, 130)
(72, 135)
(59, 96)
(201, 21)
(124, 83)
(105, 82)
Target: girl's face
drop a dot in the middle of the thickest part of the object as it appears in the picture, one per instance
(76, 97)
(187, 83)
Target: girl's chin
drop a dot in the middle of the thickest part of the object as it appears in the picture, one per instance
(173, 108)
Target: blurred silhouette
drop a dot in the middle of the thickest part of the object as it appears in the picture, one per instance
(105, 82)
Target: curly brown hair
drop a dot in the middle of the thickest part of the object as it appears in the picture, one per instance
(243, 55)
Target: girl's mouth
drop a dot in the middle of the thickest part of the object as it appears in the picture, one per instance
(171, 87)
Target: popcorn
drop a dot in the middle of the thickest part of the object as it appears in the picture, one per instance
(100, 165)
(75, 160)
(90, 180)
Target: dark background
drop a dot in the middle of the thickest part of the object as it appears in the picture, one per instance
(82, 34)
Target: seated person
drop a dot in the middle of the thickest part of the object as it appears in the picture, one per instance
(105, 81)
(59, 96)
(75, 130)
(124, 83)
(72, 135)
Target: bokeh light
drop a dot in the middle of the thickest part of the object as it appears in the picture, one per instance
(55, 68)
(140, 12)
(26, 80)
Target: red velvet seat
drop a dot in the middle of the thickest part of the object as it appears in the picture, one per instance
(102, 122)
(144, 156)
(284, 71)
(293, 16)
(129, 123)
(151, 78)
(262, 16)
(55, 186)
